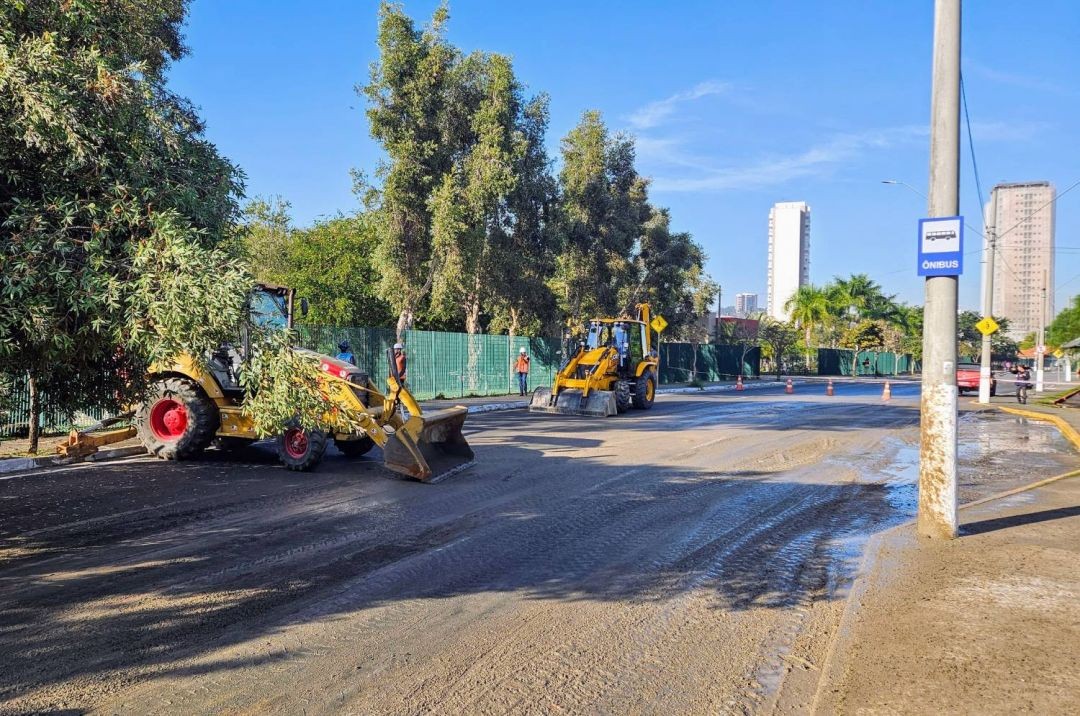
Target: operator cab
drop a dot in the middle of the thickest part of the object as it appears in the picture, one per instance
(626, 337)
(270, 308)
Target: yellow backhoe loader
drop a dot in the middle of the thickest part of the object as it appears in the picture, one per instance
(615, 368)
(189, 407)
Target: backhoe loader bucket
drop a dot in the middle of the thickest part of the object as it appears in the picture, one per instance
(599, 403)
(438, 451)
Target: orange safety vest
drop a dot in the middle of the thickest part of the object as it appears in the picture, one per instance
(400, 360)
(522, 365)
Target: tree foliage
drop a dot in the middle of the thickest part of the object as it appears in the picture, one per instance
(115, 209)
(1066, 325)
(603, 207)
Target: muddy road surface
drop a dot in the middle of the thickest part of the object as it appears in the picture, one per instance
(667, 561)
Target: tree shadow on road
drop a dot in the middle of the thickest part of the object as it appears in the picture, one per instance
(143, 569)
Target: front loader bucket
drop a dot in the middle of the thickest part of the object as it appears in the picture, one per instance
(439, 451)
(599, 403)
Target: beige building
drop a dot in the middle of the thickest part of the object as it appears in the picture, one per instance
(789, 254)
(1024, 264)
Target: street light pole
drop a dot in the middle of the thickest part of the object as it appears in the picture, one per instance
(937, 516)
(988, 299)
(1040, 349)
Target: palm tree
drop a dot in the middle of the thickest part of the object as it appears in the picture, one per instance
(807, 307)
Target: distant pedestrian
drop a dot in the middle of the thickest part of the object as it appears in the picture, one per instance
(1023, 382)
(344, 354)
(400, 361)
(521, 367)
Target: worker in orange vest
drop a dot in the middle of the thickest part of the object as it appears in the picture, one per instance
(521, 367)
(400, 361)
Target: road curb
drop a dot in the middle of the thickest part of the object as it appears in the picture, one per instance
(840, 644)
(1068, 431)
(726, 388)
(22, 464)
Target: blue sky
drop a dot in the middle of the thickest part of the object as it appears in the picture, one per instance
(734, 105)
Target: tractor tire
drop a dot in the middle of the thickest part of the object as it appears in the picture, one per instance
(177, 421)
(355, 448)
(645, 391)
(300, 449)
(623, 400)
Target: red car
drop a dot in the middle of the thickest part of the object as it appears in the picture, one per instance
(967, 378)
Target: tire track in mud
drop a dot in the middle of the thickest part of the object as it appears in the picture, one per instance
(593, 529)
(398, 574)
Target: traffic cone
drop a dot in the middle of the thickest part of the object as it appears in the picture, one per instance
(790, 388)
(829, 388)
(887, 393)
(738, 384)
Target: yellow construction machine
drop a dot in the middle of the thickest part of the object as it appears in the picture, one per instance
(615, 368)
(190, 406)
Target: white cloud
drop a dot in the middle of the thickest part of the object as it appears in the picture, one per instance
(1014, 79)
(1007, 131)
(654, 113)
(774, 170)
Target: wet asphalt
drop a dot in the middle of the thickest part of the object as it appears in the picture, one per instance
(662, 561)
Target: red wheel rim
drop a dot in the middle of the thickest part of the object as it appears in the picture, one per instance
(296, 442)
(168, 419)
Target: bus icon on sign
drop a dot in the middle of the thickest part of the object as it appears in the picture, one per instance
(947, 236)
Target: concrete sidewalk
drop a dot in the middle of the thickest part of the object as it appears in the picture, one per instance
(987, 623)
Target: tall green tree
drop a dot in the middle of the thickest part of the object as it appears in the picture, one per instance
(809, 306)
(413, 115)
(470, 215)
(527, 257)
(115, 208)
(604, 204)
(671, 275)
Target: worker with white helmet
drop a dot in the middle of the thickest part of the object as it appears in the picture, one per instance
(521, 367)
(400, 361)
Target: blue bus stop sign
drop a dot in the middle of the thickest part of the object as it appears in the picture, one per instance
(941, 246)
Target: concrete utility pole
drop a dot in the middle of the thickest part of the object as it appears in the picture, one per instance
(937, 456)
(988, 298)
(1040, 349)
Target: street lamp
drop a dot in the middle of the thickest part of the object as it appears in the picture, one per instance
(897, 182)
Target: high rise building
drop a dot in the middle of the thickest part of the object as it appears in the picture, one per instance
(1024, 264)
(745, 304)
(789, 254)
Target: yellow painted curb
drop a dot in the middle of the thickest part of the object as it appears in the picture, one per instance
(1067, 430)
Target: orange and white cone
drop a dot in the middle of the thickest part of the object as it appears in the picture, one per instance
(738, 384)
(789, 388)
(887, 392)
(829, 388)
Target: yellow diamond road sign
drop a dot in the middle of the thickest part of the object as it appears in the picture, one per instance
(658, 324)
(1059, 353)
(987, 326)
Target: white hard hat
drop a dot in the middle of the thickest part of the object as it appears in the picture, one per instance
(522, 351)
(398, 346)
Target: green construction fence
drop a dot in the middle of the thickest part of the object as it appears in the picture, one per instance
(838, 361)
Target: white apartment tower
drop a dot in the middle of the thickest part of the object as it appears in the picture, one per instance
(1024, 264)
(745, 304)
(789, 254)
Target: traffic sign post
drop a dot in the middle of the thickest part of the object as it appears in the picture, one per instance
(941, 246)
